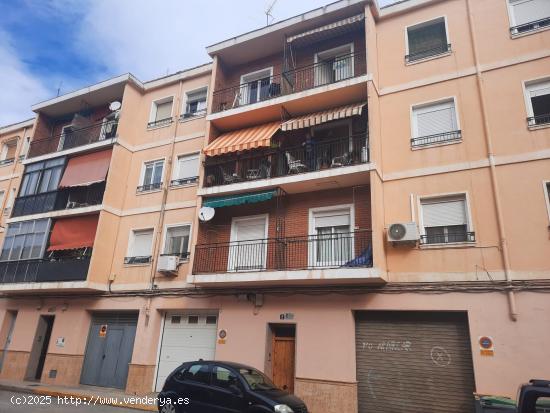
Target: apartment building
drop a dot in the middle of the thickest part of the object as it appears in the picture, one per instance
(354, 200)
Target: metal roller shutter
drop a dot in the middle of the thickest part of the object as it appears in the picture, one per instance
(414, 362)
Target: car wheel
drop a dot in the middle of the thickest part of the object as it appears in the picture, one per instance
(168, 408)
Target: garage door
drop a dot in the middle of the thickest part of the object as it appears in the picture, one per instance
(186, 337)
(414, 362)
(109, 349)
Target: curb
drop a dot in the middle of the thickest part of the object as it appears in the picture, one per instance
(60, 393)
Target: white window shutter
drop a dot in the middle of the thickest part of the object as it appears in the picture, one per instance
(527, 11)
(164, 110)
(444, 212)
(250, 229)
(332, 219)
(142, 243)
(188, 166)
(435, 119)
(539, 89)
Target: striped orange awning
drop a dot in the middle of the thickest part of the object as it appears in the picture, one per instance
(317, 118)
(243, 139)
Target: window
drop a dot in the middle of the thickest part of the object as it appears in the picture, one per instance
(26, 146)
(445, 220)
(538, 102)
(186, 170)
(151, 177)
(177, 241)
(25, 240)
(140, 245)
(427, 39)
(195, 103)
(161, 112)
(334, 65)
(193, 319)
(2, 193)
(256, 86)
(42, 177)
(223, 377)
(211, 319)
(435, 123)
(197, 372)
(8, 152)
(528, 15)
(332, 239)
(248, 247)
(9, 203)
(547, 195)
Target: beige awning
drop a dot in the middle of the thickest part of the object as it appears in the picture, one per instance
(331, 26)
(317, 118)
(243, 139)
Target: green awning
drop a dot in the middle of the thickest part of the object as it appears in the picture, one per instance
(239, 199)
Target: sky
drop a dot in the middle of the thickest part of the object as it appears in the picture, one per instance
(51, 46)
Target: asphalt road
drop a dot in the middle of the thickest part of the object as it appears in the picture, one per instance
(19, 402)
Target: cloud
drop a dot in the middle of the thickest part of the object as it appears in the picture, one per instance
(20, 89)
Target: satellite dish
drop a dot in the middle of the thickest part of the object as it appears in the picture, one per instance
(113, 106)
(206, 214)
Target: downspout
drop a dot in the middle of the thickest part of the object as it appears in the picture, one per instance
(492, 167)
(166, 184)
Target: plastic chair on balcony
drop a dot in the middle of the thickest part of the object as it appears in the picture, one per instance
(263, 172)
(230, 178)
(294, 165)
(342, 160)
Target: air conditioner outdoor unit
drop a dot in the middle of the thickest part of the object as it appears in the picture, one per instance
(168, 263)
(403, 232)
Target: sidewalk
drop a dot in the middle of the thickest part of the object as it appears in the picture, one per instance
(88, 394)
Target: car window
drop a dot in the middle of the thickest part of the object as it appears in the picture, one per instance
(198, 373)
(256, 380)
(222, 377)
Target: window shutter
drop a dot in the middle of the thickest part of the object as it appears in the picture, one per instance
(539, 89)
(435, 119)
(188, 166)
(142, 243)
(10, 153)
(164, 111)
(332, 219)
(250, 230)
(177, 240)
(428, 36)
(198, 95)
(444, 212)
(527, 11)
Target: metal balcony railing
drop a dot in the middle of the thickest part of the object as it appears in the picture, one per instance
(528, 27)
(436, 139)
(7, 161)
(337, 250)
(73, 138)
(65, 198)
(137, 260)
(160, 122)
(426, 53)
(539, 120)
(291, 81)
(184, 181)
(149, 187)
(44, 270)
(278, 162)
(448, 238)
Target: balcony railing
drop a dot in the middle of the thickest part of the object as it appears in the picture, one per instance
(44, 270)
(137, 260)
(448, 238)
(424, 54)
(73, 138)
(278, 162)
(291, 81)
(184, 181)
(338, 250)
(66, 198)
(539, 120)
(149, 187)
(7, 161)
(160, 122)
(452, 136)
(528, 27)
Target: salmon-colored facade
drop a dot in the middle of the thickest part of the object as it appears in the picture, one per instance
(370, 184)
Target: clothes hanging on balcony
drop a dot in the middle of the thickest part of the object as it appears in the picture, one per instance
(74, 232)
(243, 139)
(318, 118)
(86, 169)
(239, 199)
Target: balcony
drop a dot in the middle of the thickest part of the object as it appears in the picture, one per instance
(61, 199)
(342, 250)
(283, 161)
(289, 82)
(73, 138)
(44, 270)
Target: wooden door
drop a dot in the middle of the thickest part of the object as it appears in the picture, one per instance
(283, 360)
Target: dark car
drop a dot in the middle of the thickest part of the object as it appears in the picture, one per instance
(216, 386)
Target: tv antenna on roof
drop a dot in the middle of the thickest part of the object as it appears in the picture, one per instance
(268, 14)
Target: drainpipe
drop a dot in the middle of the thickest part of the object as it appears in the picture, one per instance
(492, 167)
(166, 183)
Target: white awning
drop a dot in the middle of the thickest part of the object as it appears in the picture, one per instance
(318, 118)
(331, 26)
